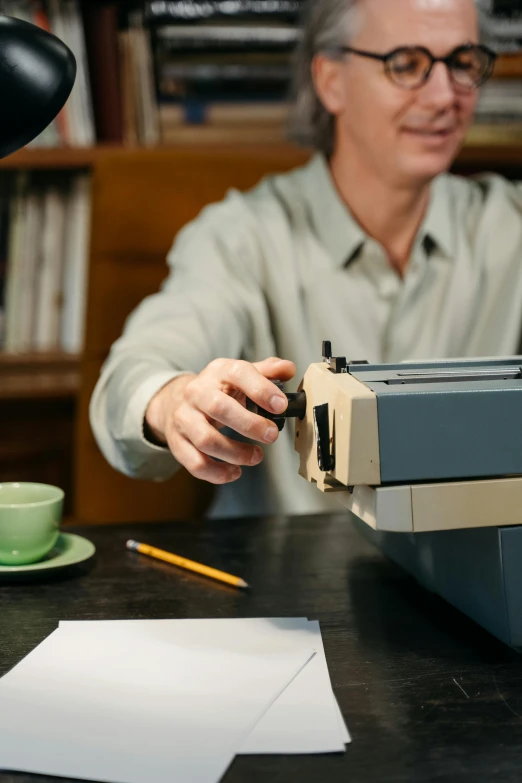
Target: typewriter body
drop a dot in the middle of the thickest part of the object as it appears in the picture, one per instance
(428, 457)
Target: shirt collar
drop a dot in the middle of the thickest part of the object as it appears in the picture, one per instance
(439, 221)
(340, 233)
(335, 226)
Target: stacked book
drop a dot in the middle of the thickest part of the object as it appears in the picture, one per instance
(500, 100)
(222, 63)
(147, 68)
(44, 231)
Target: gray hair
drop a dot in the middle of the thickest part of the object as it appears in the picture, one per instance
(326, 25)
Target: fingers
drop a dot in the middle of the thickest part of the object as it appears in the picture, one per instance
(209, 401)
(228, 412)
(202, 466)
(195, 428)
(276, 369)
(249, 380)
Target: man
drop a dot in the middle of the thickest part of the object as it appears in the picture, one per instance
(370, 246)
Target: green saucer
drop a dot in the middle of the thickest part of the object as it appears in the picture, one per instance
(69, 550)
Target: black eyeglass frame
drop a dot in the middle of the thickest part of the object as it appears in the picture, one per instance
(447, 60)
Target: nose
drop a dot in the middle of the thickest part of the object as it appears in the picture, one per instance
(439, 91)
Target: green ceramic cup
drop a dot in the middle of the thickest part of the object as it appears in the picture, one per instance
(30, 516)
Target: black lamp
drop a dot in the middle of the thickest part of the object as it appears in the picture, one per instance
(37, 73)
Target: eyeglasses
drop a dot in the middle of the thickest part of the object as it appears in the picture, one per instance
(410, 67)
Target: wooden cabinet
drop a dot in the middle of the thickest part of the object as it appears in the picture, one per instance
(140, 201)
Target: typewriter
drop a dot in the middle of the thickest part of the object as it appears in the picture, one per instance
(428, 457)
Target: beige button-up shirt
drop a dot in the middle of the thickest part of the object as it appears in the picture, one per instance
(279, 269)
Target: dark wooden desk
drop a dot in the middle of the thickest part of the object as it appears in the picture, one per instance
(427, 695)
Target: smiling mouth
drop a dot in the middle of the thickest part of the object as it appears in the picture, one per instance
(430, 133)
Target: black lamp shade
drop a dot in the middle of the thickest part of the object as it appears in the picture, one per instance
(37, 73)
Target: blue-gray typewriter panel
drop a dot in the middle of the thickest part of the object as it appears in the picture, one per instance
(446, 420)
(477, 571)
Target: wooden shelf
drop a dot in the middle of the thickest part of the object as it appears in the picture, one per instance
(487, 144)
(490, 145)
(55, 158)
(86, 157)
(26, 376)
(40, 385)
(47, 358)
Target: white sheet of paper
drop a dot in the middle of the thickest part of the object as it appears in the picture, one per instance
(345, 734)
(137, 704)
(305, 718)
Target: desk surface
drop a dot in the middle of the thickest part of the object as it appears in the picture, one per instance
(427, 695)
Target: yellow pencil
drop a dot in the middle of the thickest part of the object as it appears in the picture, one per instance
(182, 562)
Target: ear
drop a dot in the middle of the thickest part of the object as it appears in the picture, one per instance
(328, 82)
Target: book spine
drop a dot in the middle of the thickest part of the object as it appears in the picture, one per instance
(203, 46)
(226, 72)
(242, 38)
(5, 188)
(508, 66)
(101, 40)
(200, 10)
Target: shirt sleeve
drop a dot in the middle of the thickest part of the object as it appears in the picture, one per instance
(203, 311)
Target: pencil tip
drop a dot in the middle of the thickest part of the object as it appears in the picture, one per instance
(242, 583)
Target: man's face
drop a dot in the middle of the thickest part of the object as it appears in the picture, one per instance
(408, 135)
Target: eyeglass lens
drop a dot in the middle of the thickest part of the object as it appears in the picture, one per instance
(409, 67)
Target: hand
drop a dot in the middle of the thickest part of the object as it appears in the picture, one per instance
(188, 413)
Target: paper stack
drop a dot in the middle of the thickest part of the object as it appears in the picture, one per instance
(147, 701)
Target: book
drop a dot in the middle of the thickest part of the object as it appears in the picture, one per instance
(14, 268)
(44, 240)
(30, 260)
(213, 82)
(129, 98)
(65, 22)
(101, 41)
(222, 62)
(172, 115)
(85, 129)
(159, 11)
(501, 98)
(5, 193)
(498, 134)
(206, 38)
(143, 82)
(499, 27)
(76, 256)
(508, 65)
(49, 280)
